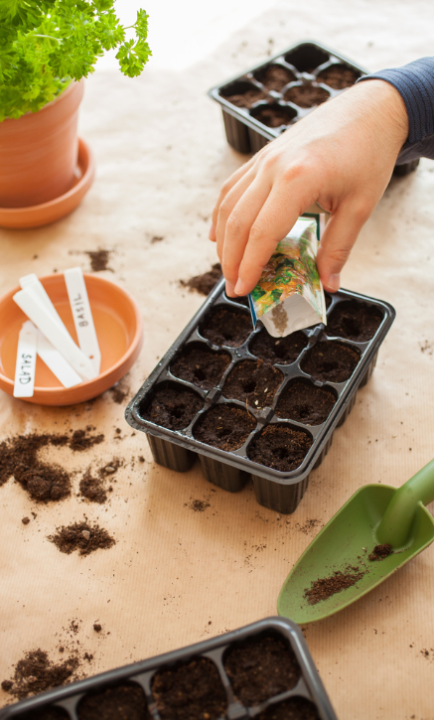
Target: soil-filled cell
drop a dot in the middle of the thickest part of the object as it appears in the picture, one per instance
(172, 407)
(280, 447)
(224, 426)
(278, 350)
(190, 691)
(255, 382)
(306, 58)
(261, 667)
(242, 94)
(124, 702)
(226, 326)
(330, 361)
(297, 708)
(306, 96)
(354, 320)
(306, 403)
(197, 364)
(48, 713)
(274, 116)
(274, 77)
(339, 76)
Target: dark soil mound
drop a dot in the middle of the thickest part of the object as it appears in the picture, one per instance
(83, 537)
(323, 588)
(304, 402)
(226, 326)
(297, 708)
(260, 668)
(124, 702)
(247, 99)
(280, 448)
(206, 282)
(274, 77)
(36, 673)
(193, 690)
(197, 364)
(338, 77)
(225, 427)
(274, 115)
(330, 361)
(255, 382)
(354, 320)
(278, 350)
(173, 407)
(306, 96)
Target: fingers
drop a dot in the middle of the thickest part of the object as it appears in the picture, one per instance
(228, 214)
(337, 241)
(226, 188)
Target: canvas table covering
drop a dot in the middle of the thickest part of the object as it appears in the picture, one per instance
(175, 575)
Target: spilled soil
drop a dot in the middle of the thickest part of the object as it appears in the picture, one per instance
(95, 488)
(204, 283)
(36, 673)
(82, 536)
(99, 259)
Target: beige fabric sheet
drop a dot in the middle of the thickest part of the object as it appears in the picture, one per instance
(176, 576)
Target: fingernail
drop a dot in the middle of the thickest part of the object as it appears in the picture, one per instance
(334, 282)
(239, 288)
(230, 289)
(211, 233)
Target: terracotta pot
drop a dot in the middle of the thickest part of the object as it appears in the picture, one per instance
(38, 152)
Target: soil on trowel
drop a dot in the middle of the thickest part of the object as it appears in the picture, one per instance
(254, 382)
(354, 320)
(323, 588)
(225, 427)
(338, 77)
(274, 77)
(280, 448)
(192, 690)
(274, 116)
(82, 536)
(36, 673)
(173, 407)
(260, 668)
(122, 702)
(297, 708)
(305, 403)
(330, 361)
(380, 552)
(247, 99)
(282, 351)
(199, 365)
(306, 96)
(43, 481)
(226, 326)
(206, 282)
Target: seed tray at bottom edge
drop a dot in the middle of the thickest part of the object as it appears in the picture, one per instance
(230, 470)
(309, 685)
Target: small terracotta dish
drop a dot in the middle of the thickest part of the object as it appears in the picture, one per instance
(119, 329)
(48, 212)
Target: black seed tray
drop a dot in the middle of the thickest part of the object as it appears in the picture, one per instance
(270, 110)
(305, 691)
(230, 470)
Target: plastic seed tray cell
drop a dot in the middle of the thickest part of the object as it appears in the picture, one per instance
(252, 406)
(263, 671)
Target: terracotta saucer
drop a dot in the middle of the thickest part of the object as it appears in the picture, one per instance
(119, 329)
(37, 215)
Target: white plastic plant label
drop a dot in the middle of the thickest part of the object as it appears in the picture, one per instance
(56, 362)
(33, 281)
(26, 361)
(289, 295)
(82, 315)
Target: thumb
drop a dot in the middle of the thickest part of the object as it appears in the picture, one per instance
(339, 236)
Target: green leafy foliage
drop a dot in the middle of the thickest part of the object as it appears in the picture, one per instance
(45, 44)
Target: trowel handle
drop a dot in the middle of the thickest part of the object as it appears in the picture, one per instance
(396, 522)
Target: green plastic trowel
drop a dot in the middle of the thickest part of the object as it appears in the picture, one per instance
(374, 515)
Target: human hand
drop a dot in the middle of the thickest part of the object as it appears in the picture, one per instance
(341, 156)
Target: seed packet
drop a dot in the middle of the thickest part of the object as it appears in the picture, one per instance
(289, 295)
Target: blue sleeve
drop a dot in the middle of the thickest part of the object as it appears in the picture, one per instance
(415, 83)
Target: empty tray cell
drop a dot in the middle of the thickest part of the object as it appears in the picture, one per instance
(306, 95)
(330, 361)
(254, 382)
(46, 713)
(261, 667)
(122, 702)
(190, 690)
(296, 708)
(199, 365)
(242, 94)
(226, 326)
(280, 447)
(339, 76)
(306, 57)
(274, 76)
(306, 403)
(274, 116)
(354, 320)
(282, 351)
(172, 406)
(224, 426)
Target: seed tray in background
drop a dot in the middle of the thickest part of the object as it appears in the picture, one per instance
(257, 109)
(138, 690)
(177, 449)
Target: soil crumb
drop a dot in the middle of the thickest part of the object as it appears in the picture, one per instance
(204, 283)
(92, 488)
(323, 588)
(97, 627)
(82, 537)
(43, 481)
(36, 673)
(380, 552)
(198, 505)
(99, 259)
(119, 392)
(25, 520)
